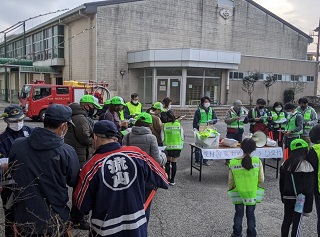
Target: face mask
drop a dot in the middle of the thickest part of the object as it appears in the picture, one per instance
(135, 101)
(169, 107)
(303, 107)
(289, 113)
(91, 112)
(206, 105)
(261, 107)
(278, 109)
(16, 126)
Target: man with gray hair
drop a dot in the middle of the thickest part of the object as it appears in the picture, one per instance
(235, 119)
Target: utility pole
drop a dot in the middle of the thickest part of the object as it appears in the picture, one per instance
(317, 59)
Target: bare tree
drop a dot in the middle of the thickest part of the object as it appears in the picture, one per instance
(248, 84)
(297, 84)
(268, 82)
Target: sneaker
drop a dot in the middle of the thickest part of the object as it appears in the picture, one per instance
(172, 183)
(206, 163)
(197, 163)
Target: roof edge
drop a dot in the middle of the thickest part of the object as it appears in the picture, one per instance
(91, 7)
(310, 39)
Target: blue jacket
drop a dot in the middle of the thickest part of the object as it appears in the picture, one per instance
(8, 137)
(42, 167)
(112, 185)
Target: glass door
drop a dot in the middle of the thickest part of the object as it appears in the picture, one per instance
(169, 87)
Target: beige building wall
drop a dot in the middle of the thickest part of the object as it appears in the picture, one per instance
(273, 66)
(145, 25)
(80, 51)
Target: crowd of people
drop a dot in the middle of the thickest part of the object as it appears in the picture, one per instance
(115, 165)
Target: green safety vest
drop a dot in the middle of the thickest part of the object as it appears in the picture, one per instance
(205, 117)
(306, 117)
(134, 109)
(172, 136)
(316, 148)
(291, 124)
(246, 189)
(236, 124)
(277, 117)
(264, 116)
(121, 115)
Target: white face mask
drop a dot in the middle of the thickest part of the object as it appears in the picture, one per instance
(169, 107)
(289, 113)
(278, 109)
(16, 126)
(135, 101)
(206, 105)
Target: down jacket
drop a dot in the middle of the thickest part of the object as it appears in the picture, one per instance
(146, 141)
(80, 136)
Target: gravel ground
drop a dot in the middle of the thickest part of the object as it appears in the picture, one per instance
(203, 209)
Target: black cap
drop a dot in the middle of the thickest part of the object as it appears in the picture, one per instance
(105, 128)
(13, 113)
(59, 113)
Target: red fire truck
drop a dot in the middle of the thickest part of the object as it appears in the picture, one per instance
(35, 98)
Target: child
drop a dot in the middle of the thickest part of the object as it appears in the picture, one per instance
(296, 177)
(245, 179)
(313, 157)
(173, 140)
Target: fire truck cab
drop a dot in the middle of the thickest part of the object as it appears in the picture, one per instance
(36, 98)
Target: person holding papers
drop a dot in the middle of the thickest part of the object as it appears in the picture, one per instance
(279, 117)
(235, 119)
(204, 115)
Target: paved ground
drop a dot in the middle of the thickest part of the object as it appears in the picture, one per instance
(203, 209)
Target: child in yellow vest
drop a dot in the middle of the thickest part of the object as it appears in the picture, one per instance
(172, 136)
(245, 179)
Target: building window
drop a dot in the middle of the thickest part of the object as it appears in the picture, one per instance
(294, 78)
(236, 75)
(279, 77)
(310, 78)
(261, 76)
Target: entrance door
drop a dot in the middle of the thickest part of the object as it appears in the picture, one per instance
(169, 87)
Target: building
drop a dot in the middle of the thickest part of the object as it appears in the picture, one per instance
(182, 49)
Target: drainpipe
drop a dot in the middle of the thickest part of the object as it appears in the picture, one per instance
(69, 51)
(89, 46)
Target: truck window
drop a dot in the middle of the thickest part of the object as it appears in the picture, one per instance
(25, 92)
(62, 90)
(41, 92)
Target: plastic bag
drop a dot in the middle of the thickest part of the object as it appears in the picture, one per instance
(229, 142)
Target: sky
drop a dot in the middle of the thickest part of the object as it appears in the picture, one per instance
(303, 14)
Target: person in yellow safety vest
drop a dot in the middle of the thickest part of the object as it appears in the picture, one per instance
(310, 118)
(279, 117)
(134, 107)
(245, 187)
(173, 137)
(235, 119)
(260, 117)
(314, 159)
(203, 115)
(296, 179)
(293, 126)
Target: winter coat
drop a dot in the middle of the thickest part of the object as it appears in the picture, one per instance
(156, 127)
(42, 167)
(80, 136)
(303, 179)
(146, 141)
(112, 185)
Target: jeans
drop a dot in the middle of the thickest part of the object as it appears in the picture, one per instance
(197, 155)
(317, 201)
(251, 221)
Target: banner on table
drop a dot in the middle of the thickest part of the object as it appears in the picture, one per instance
(230, 153)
